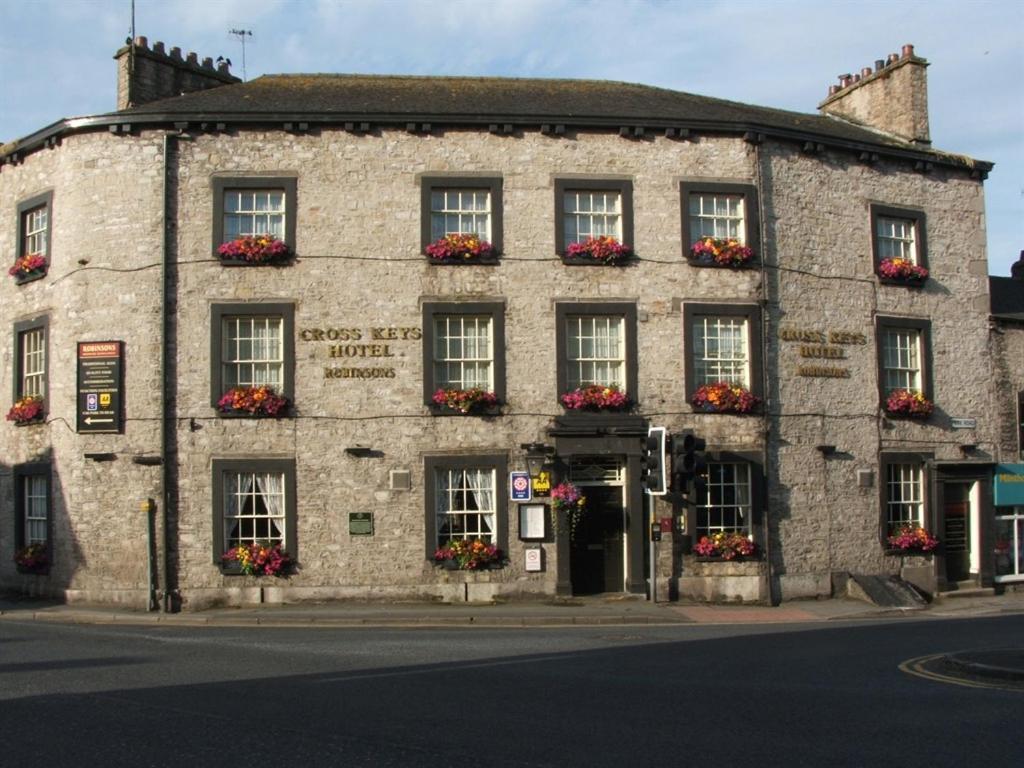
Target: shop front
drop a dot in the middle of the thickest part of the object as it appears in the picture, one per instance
(1008, 540)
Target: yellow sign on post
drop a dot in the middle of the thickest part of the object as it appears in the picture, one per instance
(542, 484)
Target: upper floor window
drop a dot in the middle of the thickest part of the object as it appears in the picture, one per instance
(901, 350)
(32, 362)
(35, 222)
(254, 205)
(592, 208)
(463, 349)
(469, 205)
(252, 346)
(899, 244)
(596, 345)
(723, 357)
(726, 213)
(721, 350)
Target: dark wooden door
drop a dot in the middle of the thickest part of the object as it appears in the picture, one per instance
(596, 560)
(956, 539)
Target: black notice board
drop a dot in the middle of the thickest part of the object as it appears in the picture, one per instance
(100, 386)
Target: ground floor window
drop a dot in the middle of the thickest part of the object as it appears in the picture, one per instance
(466, 498)
(1009, 544)
(254, 503)
(904, 498)
(725, 506)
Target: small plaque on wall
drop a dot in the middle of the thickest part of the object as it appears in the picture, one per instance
(360, 523)
(534, 559)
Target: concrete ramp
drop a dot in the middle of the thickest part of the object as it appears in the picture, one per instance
(884, 591)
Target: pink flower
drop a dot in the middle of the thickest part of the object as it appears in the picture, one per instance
(460, 246)
(595, 397)
(605, 249)
(728, 252)
(902, 269)
(723, 397)
(255, 249)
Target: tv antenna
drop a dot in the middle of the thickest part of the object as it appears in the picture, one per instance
(241, 34)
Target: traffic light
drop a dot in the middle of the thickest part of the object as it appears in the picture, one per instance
(688, 461)
(654, 480)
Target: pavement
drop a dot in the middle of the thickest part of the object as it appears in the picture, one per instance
(1003, 667)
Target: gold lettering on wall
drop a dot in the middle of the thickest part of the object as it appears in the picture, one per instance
(823, 345)
(340, 344)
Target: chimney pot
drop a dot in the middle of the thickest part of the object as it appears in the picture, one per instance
(866, 71)
(192, 58)
(176, 53)
(856, 78)
(141, 42)
(158, 47)
(893, 58)
(222, 67)
(879, 65)
(845, 80)
(833, 90)
(908, 51)
(208, 62)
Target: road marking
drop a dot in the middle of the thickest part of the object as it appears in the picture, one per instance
(916, 667)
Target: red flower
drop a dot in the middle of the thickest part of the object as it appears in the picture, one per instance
(460, 246)
(595, 397)
(258, 401)
(26, 265)
(722, 397)
(465, 400)
(27, 409)
(605, 249)
(728, 252)
(255, 249)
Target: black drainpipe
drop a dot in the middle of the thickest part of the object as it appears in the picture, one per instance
(167, 452)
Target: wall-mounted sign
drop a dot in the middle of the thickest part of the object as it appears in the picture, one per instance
(542, 484)
(519, 486)
(533, 559)
(100, 377)
(531, 521)
(350, 348)
(956, 423)
(1008, 485)
(360, 523)
(828, 347)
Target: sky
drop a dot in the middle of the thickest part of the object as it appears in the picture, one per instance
(56, 56)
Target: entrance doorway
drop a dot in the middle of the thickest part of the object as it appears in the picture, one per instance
(956, 533)
(597, 560)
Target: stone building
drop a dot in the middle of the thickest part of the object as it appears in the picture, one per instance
(857, 270)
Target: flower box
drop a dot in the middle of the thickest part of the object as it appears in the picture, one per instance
(720, 252)
(27, 410)
(256, 560)
(254, 251)
(252, 401)
(908, 404)
(911, 540)
(598, 251)
(468, 555)
(28, 268)
(466, 401)
(901, 272)
(34, 558)
(724, 546)
(461, 249)
(722, 397)
(595, 397)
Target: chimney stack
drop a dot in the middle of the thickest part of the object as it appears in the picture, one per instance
(147, 74)
(892, 97)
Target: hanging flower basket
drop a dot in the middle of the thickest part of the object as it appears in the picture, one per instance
(595, 397)
(253, 401)
(566, 497)
(27, 410)
(912, 538)
(468, 555)
(258, 559)
(465, 400)
(460, 249)
(34, 558)
(28, 268)
(902, 272)
(725, 545)
(722, 397)
(598, 250)
(254, 250)
(908, 403)
(720, 252)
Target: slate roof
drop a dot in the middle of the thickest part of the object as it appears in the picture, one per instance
(476, 100)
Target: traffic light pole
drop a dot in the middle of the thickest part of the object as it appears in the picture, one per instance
(653, 555)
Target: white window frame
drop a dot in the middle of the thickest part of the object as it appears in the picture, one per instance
(267, 368)
(727, 360)
(463, 509)
(719, 215)
(35, 498)
(896, 238)
(904, 495)
(464, 359)
(244, 215)
(902, 354)
(1015, 517)
(266, 515)
(603, 361)
(732, 480)
(35, 225)
(591, 213)
(32, 362)
(460, 211)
